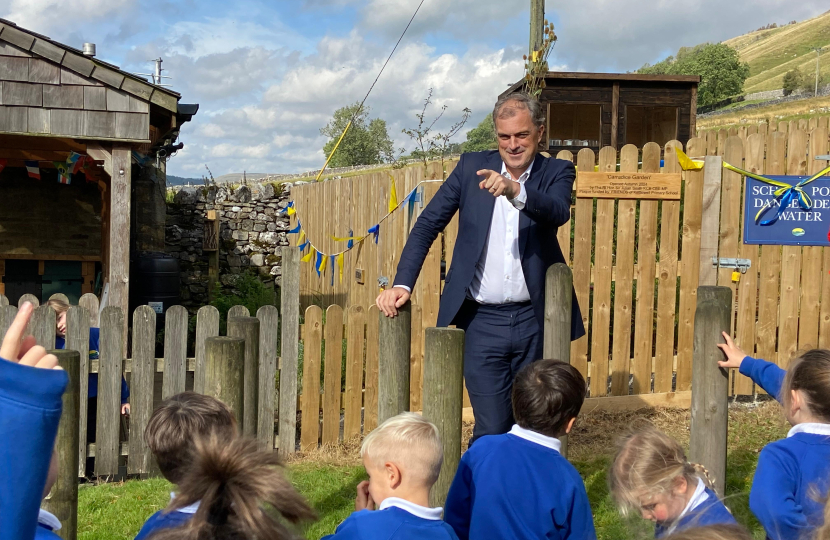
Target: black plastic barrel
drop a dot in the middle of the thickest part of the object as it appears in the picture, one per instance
(155, 281)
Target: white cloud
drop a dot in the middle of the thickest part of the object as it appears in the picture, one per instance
(43, 16)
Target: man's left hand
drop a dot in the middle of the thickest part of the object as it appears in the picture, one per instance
(498, 185)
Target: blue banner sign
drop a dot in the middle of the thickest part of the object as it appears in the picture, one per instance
(791, 223)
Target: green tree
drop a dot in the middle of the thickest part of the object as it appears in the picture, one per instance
(367, 142)
(722, 74)
(793, 80)
(482, 137)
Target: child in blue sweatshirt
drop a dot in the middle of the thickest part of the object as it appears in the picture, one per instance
(651, 475)
(403, 458)
(518, 485)
(31, 387)
(791, 479)
(174, 429)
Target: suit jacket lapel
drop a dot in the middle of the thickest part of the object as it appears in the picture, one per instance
(539, 164)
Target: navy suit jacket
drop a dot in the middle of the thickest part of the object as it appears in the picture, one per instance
(548, 207)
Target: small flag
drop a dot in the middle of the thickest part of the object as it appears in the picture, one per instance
(296, 229)
(350, 244)
(301, 238)
(287, 208)
(340, 265)
(304, 245)
(320, 265)
(393, 195)
(64, 176)
(33, 169)
(291, 211)
(307, 257)
(332, 270)
(376, 231)
(3, 164)
(687, 163)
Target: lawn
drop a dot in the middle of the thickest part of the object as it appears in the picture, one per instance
(328, 479)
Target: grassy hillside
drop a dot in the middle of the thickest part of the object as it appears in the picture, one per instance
(771, 53)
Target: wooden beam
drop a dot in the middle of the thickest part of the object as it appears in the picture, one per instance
(118, 269)
(31, 155)
(34, 256)
(693, 115)
(25, 142)
(615, 114)
(99, 153)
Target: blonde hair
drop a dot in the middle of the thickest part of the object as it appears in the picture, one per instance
(713, 532)
(647, 463)
(58, 305)
(409, 441)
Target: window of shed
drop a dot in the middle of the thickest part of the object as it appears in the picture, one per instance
(574, 124)
(650, 124)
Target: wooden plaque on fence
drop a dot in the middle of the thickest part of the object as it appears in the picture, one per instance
(625, 185)
(211, 238)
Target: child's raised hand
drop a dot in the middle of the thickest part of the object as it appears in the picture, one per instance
(25, 351)
(734, 354)
(364, 499)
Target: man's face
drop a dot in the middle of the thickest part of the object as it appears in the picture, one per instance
(518, 137)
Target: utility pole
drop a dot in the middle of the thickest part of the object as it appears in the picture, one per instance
(818, 56)
(537, 25)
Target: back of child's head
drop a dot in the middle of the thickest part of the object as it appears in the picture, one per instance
(547, 394)
(410, 442)
(242, 494)
(178, 423)
(712, 532)
(58, 305)
(810, 373)
(649, 462)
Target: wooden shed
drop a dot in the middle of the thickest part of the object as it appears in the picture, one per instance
(609, 109)
(64, 111)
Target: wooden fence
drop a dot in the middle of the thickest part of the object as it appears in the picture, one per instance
(636, 264)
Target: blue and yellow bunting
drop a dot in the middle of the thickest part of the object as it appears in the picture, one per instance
(393, 196)
(296, 229)
(289, 208)
(376, 231)
(307, 257)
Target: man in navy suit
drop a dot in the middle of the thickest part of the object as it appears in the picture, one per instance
(511, 204)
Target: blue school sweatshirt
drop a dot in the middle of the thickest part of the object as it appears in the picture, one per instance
(791, 479)
(163, 520)
(94, 347)
(395, 519)
(708, 511)
(518, 485)
(30, 409)
(47, 524)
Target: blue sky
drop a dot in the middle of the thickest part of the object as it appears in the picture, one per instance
(268, 75)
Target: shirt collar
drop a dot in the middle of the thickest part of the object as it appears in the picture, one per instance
(415, 509)
(190, 509)
(810, 427)
(525, 175)
(698, 497)
(549, 442)
(48, 520)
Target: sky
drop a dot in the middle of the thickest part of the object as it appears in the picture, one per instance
(268, 75)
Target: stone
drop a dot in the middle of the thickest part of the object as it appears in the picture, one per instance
(276, 271)
(242, 194)
(240, 235)
(186, 196)
(225, 234)
(247, 225)
(235, 209)
(262, 217)
(238, 250)
(270, 212)
(228, 280)
(266, 192)
(244, 260)
(259, 227)
(235, 260)
(271, 227)
(264, 271)
(268, 237)
(257, 259)
(221, 195)
(174, 234)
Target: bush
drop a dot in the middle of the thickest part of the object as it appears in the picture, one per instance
(248, 291)
(793, 80)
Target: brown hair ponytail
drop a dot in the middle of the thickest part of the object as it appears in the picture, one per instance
(242, 495)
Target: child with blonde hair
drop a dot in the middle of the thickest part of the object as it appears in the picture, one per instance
(650, 474)
(713, 532)
(403, 458)
(791, 479)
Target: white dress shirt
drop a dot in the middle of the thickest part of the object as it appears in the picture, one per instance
(499, 278)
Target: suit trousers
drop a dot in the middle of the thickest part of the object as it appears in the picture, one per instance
(500, 339)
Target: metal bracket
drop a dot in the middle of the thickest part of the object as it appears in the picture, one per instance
(383, 282)
(724, 262)
(824, 158)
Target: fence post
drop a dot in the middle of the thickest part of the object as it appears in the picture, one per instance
(110, 371)
(77, 339)
(224, 372)
(394, 335)
(141, 388)
(63, 501)
(289, 349)
(443, 399)
(175, 351)
(558, 310)
(247, 328)
(43, 326)
(269, 319)
(710, 383)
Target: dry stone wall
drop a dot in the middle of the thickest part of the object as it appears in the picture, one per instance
(251, 235)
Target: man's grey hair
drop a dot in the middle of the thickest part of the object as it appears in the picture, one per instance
(507, 106)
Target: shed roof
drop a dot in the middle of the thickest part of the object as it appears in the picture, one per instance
(74, 60)
(634, 77)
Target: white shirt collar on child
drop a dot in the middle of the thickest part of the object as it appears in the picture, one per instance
(415, 509)
(191, 509)
(48, 519)
(698, 497)
(809, 427)
(549, 442)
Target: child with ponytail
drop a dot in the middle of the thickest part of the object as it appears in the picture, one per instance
(238, 493)
(791, 479)
(650, 474)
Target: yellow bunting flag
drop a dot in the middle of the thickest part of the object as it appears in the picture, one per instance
(347, 238)
(322, 267)
(340, 265)
(687, 163)
(291, 211)
(301, 238)
(393, 196)
(307, 257)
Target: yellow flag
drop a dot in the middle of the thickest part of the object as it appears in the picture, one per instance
(322, 267)
(291, 211)
(393, 195)
(534, 56)
(346, 238)
(687, 163)
(301, 238)
(340, 265)
(307, 257)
